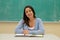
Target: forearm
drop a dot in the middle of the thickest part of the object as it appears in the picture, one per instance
(19, 31)
(37, 32)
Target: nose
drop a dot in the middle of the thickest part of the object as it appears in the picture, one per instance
(29, 12)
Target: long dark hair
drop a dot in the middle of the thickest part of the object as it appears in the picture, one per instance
(25, 18)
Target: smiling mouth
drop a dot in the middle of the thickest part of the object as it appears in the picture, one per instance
(29, 14)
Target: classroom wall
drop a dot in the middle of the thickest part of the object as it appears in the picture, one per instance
(9, 27)
(12, 10)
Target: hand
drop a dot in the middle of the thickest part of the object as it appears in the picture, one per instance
(25, 32)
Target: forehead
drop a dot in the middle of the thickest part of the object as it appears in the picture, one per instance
(28, 9)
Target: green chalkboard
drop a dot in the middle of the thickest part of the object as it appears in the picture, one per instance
(12, 10)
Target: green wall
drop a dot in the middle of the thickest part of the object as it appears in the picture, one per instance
(12, 10)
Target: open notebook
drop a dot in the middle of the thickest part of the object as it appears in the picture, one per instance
(28, 35)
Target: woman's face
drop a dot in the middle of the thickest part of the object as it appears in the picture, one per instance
(29, 12)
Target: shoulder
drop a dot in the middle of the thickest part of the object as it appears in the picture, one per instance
(21, 21)
(38, 19)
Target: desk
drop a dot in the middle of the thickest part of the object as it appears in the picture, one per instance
(12, 37)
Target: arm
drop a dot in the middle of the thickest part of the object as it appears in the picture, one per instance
(40, 30)
(19, 27)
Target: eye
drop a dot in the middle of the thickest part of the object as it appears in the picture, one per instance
(26, 12)
(29, 10)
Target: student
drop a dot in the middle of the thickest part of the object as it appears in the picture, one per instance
(29, 24)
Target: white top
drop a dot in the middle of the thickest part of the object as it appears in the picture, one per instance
(31, 27)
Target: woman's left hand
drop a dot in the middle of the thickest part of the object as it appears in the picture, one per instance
(25, 31)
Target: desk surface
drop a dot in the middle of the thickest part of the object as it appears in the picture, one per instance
(12, 37)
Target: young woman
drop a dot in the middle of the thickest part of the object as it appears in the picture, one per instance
(29, 24)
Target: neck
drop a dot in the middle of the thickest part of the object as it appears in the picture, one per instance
(31, 19)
